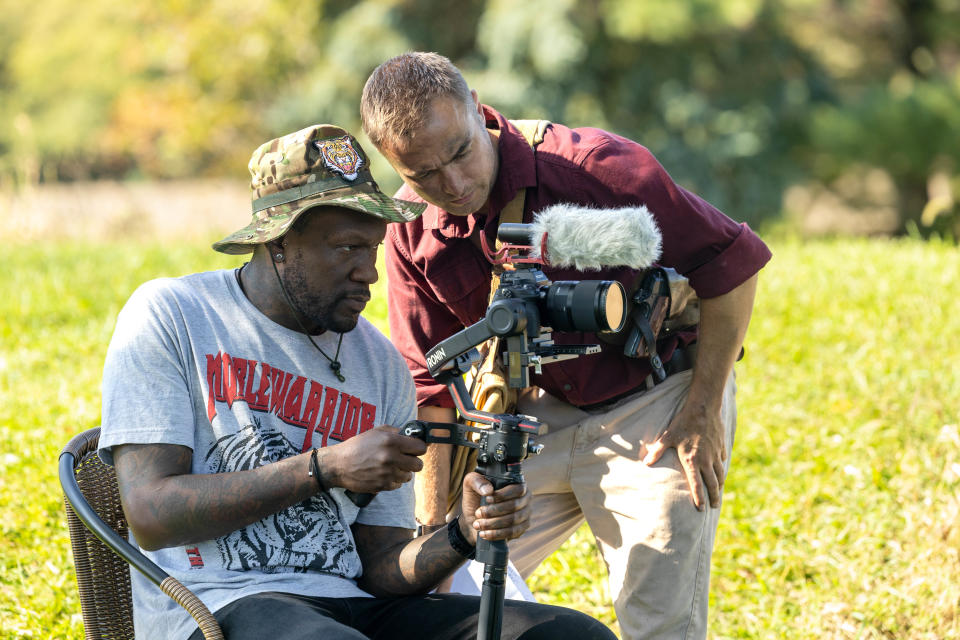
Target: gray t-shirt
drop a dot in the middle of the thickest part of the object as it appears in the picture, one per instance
(192, 362)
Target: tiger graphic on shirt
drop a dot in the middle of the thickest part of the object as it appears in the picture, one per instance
(306, 536)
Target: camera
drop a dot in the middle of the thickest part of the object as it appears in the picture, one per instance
(525, 309)
(584, 305)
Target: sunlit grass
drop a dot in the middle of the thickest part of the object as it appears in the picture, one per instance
(842, 512)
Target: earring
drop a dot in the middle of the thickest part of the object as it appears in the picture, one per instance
(278, 257)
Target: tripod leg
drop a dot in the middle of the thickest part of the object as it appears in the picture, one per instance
(494, 556)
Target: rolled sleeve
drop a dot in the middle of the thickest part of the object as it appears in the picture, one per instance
(716, 253)
(733, 266)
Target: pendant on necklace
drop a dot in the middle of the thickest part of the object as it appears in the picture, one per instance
(335, 367)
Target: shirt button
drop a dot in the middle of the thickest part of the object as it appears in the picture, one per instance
(567, 387)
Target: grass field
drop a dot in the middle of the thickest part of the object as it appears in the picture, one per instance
(842, 512)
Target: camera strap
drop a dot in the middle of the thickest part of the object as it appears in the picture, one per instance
(651, 306)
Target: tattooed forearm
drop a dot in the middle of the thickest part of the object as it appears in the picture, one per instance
(395, 565)
(166, 505)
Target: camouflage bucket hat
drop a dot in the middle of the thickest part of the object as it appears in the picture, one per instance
(319, 165)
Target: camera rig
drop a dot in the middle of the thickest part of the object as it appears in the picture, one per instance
(523, 312)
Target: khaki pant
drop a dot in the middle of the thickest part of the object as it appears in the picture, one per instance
(655, 543)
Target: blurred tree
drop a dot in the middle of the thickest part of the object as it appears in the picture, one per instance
(738, 99)
(900, 110)
(160, 89)
(58, 89)
(199, 78)
(14, 127)
(715, 90)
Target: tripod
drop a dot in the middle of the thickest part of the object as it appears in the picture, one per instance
(501, 448)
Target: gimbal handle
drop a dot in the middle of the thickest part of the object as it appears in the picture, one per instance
(501, 448)
(494, 438)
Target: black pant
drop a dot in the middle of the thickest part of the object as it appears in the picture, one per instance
(282, 616)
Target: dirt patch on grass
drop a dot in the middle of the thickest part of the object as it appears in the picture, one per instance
(192, 210)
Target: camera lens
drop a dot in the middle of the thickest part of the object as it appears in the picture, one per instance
(585, 305)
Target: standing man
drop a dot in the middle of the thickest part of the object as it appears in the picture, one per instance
(644, 466)
(240, 407)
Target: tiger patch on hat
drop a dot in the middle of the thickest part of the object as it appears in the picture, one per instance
(339, 155)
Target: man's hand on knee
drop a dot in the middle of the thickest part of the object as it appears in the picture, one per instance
(698, 437)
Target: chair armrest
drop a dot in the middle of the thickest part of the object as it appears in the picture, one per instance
(130, 554)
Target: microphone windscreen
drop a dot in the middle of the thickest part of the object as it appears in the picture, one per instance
(588, 238)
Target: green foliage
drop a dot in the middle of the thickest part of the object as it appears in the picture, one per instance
(911, 132)
(738, 99)
(722, 93)
(922, 113)
(841, 517)
(160, 89)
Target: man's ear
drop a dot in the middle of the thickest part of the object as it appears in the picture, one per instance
(276, 250)
(476, 102)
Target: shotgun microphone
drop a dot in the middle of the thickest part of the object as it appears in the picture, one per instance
(589, 239)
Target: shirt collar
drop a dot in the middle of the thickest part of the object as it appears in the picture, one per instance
(517, 170)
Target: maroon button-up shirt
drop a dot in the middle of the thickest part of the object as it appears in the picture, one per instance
(439, 281)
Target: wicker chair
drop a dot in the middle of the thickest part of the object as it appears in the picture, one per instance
(101, 553)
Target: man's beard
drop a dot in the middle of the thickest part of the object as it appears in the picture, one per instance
(317, 312)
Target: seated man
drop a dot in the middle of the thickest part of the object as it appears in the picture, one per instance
(241, 407)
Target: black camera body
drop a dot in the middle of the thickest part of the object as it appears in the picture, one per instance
(524, 310)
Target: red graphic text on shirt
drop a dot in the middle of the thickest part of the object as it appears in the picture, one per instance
(325, 412)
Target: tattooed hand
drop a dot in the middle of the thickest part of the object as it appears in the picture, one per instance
(376, 460)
